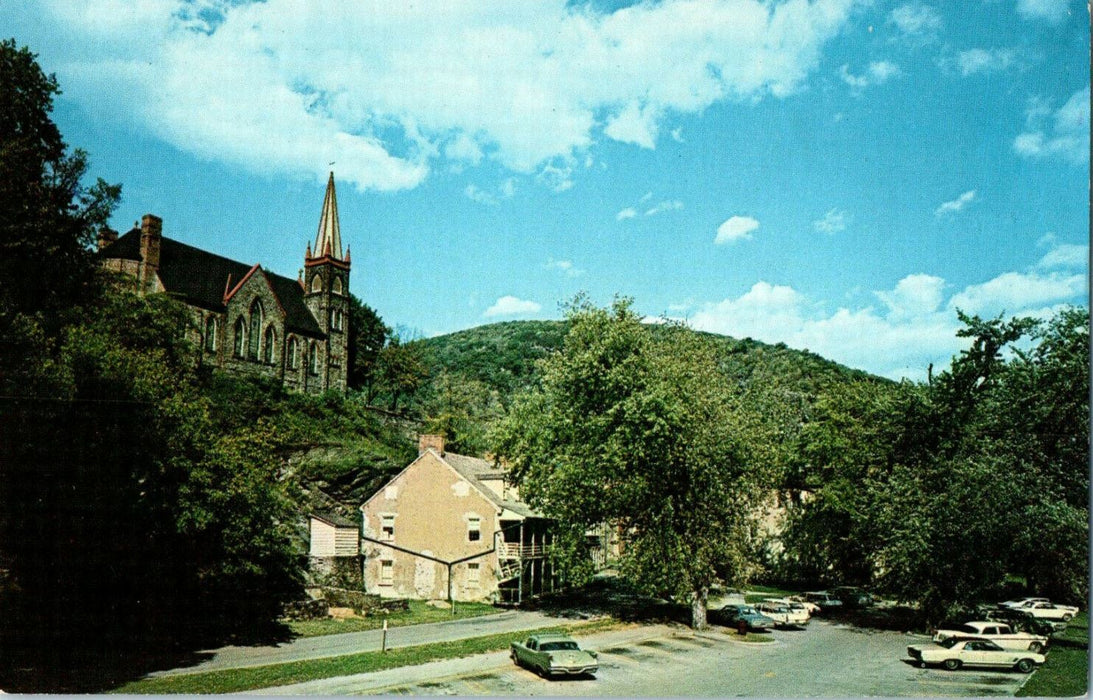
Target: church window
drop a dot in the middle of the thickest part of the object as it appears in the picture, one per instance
(293, 353)
(337, 286)
(255, 329)
(313, 358)
(267, 344)
(210, 334)
(317, 283)
(336, 319)
(240, 336)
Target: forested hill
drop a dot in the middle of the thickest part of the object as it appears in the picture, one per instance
(502, 356)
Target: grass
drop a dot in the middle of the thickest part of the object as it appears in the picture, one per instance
(418, 613)
(256, 678)
(1066, 671)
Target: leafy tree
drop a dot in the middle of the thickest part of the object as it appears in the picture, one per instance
(367, 337)
(402, 370)
(641, 430)
(461, 409)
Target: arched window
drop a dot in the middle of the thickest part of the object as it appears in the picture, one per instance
(268, 341)
(317, 283)
(210, 334)
(336, 319)
(255, 329)
(337, 286)
(293, 353)
(313, 358)
(240, 336)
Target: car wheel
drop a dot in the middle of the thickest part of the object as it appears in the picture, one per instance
(1066, 617)
(1035, 647)
(922, 664)
(1025, 665)
(952, 664)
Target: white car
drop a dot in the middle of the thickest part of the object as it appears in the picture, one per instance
(811, 607)
(955, 652)
(1043, 610)
(1022, 601)
(783, 614)
(1002, 635)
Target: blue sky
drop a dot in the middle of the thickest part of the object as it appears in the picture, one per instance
(835, 175)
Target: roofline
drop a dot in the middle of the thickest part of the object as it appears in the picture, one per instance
(443, 461)
(328, 521)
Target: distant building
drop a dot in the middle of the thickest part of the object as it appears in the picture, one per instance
(248, 320)
(450, 526)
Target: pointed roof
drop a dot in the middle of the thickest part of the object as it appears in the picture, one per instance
(328, 242)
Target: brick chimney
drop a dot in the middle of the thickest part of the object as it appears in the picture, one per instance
(151, 232)
(433, 442)
(107, 236)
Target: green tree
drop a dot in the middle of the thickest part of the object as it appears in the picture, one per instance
(367, 337)
(641, 430)
(463, 410)
(402, 370)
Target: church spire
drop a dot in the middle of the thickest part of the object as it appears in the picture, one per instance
(328, 242)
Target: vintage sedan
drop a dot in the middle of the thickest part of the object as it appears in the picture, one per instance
(734, 615)
(1019, 602)
(825, 600)
(1043, 610)
(784, 613)
(554, 655)
(955, 652)
(1001, 634)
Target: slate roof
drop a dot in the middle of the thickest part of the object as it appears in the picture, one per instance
(471, 468)
(200, 279)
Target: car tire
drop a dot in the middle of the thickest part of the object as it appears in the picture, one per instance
(1035, 647)
(1025, 665)
(952, 664)
(1067, 617)
(922, 664)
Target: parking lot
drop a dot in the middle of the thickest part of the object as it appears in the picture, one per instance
(827, 659)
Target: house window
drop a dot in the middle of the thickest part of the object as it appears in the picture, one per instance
(293, 353)
(313, 358)
(387, 527)
(267, 344)
(255, 334)
(240, 336)
(337, 286)
(387, 572)
(473, 573)
(210, 334)
(317, 283)
(474, 529)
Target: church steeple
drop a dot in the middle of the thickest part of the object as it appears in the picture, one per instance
(328, 242)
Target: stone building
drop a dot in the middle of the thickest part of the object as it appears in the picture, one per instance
(248, 320)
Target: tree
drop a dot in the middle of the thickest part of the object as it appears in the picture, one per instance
(401, 369)
(639, 429)
(367, 337)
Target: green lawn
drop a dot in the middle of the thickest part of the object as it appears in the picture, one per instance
(236, 680)
(1066, 671)
(419, 613)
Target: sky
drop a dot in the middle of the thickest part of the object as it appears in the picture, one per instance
(837, 175)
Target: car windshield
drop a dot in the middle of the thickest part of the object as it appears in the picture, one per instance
(748, 611)
(558, 646)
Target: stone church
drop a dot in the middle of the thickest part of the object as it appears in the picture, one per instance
(249, 320)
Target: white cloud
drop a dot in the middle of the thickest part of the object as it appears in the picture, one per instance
(627, 213)
(917, 327)
(736, 228)
(877, 73)
(557, 178)
(677, 135)
(504, 191)
(915, 20)
(392, 91)
(667, 205)
(565, 267)
(832, 222)
(510, 306)
(975, 61)
(1066, 137)
(1065, 256)
(955, 205)
(1052, 11)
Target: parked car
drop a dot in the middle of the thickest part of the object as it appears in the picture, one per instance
(554, 655)
(798, 606)
(733, 615)
(825, 600)
(1001, 634)
(809, 605)
(783, 613)
(1023, 601)
(1044, 610)
(1022, 620)
(955, 652)
(853, 597)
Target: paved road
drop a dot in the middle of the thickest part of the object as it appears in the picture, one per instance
(825, 660)
(356, 642)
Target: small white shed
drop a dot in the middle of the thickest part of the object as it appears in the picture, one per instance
(333, 536)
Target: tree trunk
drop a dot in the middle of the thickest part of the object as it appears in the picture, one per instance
(698, 609)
